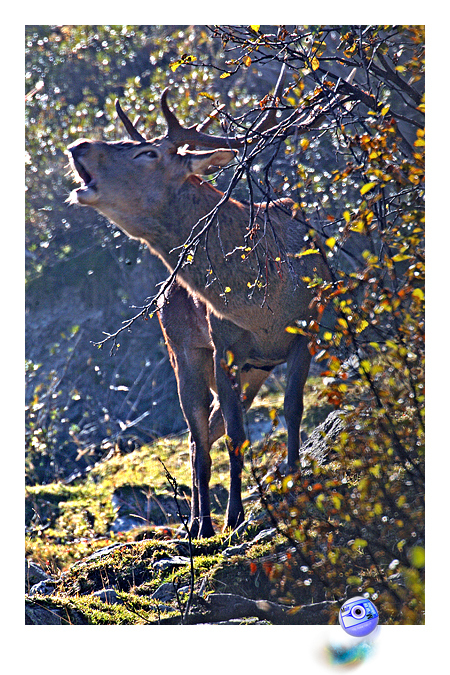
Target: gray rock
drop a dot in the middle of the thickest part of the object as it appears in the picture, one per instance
(173, 561)
(322, 439)
(105, 551)
(41, 616)
(235, 550)
(265, 535)
(33, 575)
(45, 587)
(165, 592)
(38, 615)
(109, 596)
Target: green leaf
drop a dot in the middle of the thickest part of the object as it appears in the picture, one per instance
(354, 581)
(337, 501)
(417, 556)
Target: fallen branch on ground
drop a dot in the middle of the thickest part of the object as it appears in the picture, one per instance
(226, 606)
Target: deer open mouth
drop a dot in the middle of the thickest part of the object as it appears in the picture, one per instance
(87, 192)
(83, 173)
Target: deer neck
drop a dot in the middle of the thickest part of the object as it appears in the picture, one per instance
(208, 265)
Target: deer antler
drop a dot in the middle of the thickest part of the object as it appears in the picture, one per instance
(194, 136)
(132, 131)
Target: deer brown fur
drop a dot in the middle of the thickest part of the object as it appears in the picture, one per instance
(242, 284)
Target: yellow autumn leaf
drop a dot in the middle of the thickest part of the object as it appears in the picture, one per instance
(330, 242)
(255, 27)
(400, 256)
(296, 330)
(225, 75)
(362, 325)
(315, 63)
(357, 226)
(247, 61)
(364, 366)
(230, 358)
(308, 251)
(367, 187)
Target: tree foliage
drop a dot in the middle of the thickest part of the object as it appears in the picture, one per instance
(357, 178)
(359, 526)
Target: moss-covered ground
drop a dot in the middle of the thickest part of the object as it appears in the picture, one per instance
(68, 524)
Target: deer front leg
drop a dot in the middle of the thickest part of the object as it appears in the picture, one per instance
(229, 396)
(194, 372)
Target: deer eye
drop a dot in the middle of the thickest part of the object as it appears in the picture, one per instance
(147, 152)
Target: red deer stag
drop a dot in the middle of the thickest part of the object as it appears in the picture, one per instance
(240, 286)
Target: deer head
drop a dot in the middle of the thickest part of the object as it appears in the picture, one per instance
(132, 182)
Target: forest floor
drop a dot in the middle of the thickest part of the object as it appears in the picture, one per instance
(101, 574)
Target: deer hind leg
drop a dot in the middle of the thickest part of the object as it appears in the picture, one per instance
(297, 372)
(229, 396)
(194, 372)
(251, 382)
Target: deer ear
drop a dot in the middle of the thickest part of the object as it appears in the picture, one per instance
(202, 162)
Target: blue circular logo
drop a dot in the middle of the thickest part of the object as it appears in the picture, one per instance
(358, 616)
